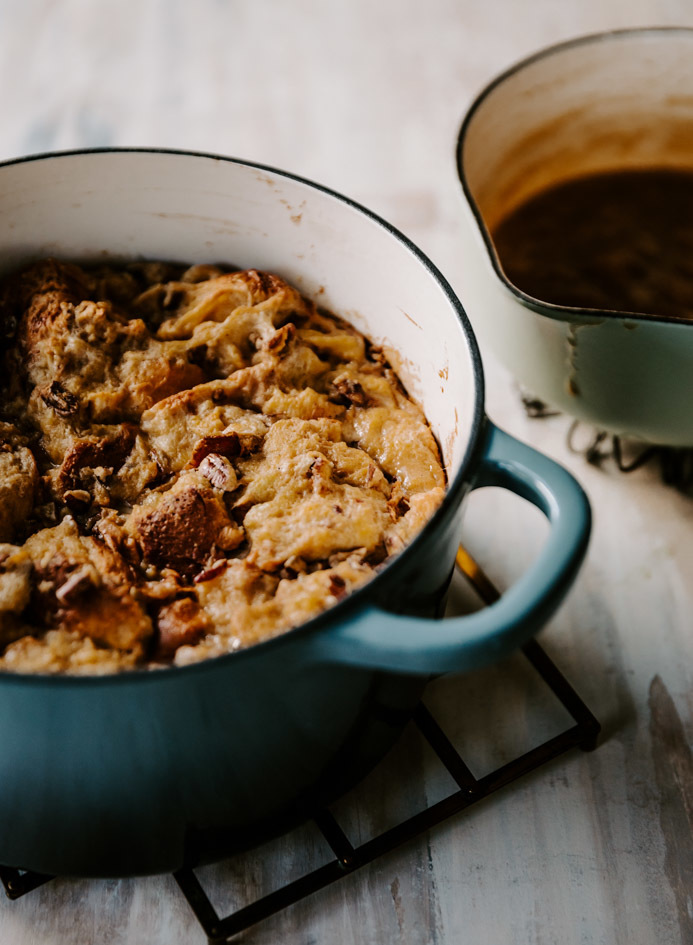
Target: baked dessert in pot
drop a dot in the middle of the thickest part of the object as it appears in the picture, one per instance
(192, 461)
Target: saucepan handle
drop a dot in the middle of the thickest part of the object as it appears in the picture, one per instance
(381, 640)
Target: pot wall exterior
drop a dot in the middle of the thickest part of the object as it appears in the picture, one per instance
(143, 778)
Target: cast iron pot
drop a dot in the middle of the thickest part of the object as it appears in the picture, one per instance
(147, 771)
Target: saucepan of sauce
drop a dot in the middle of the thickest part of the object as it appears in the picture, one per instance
(577, 171)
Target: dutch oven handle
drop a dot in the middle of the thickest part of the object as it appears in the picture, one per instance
(380, 640)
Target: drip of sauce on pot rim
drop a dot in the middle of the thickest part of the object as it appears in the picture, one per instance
(619, 240)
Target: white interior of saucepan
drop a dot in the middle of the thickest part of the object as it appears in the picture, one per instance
(611, 101)
(193, 208)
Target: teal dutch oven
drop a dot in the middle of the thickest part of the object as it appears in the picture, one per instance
(147, 771)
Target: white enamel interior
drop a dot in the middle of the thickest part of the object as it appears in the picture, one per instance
(620, 100)
(193, 208)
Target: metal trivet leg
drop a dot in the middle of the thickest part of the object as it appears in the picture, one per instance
(348, 858)
(675, 462)
(19, 882)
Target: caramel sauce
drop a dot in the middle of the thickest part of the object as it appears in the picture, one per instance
(621, 240)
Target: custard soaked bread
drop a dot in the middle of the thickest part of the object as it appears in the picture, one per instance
(191, 461)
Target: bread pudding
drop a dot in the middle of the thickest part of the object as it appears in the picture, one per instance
(191, 461)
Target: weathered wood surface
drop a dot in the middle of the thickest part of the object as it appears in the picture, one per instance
(366, 97)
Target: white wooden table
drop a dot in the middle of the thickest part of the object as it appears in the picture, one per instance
(366, 97)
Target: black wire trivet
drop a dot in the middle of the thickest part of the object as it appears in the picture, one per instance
(583, 734)
(675, 462)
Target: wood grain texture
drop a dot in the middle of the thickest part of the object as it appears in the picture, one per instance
(366, 97)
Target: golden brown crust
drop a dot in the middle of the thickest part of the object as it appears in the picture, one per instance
(200, 459)
(180, 528)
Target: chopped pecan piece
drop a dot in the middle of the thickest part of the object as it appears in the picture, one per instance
(111, 532)
(379, 553)
(321, 475)
(49, 578)
(281, 339)
(214, 570)
(225, 444)
(219, 471)
(62, 401)
(166, 588)
(337, 586)
(347, 391)
(77, 500)
(77, 583)
(230, 537)
(181, 623)
(293, 566)
(397, 503)
(296, 564)
(198, 355)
